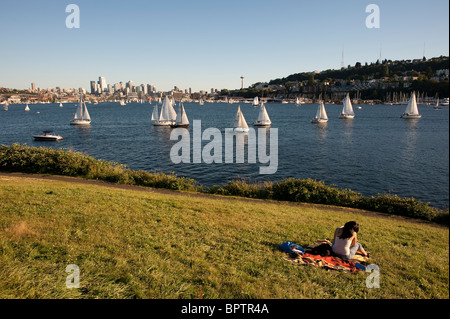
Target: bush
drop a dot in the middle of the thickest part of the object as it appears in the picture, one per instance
(22, 158)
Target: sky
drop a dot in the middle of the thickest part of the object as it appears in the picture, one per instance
(204, 44)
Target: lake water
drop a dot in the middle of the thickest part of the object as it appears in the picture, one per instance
(377, 152)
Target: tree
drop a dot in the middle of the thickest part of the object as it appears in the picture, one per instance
(311, 80)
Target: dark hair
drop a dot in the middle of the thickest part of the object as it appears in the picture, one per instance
(348, 229)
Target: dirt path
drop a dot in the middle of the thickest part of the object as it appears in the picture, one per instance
(79, 180)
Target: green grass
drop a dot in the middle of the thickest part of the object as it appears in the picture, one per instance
(22, 158)
(141, 244)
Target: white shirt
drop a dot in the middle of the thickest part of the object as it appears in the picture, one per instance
(342, 246)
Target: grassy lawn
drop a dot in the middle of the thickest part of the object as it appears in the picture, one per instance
(140, 244)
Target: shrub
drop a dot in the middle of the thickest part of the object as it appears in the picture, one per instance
(22, 158)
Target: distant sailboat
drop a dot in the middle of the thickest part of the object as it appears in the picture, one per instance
(298, 102)
(122, 102)
(182, 119)
(412, 112)
(321, 115)
(27, 108)
(167, 116)
(255, 101)
(60, 104)
(347, 110)
(81, 116)
(240, 125)
(155, 113)
(201, 102)
(263, 117)
(436, 106)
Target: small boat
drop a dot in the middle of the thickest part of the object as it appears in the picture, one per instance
(166, 117)
(321, 115)
(255, 101)
(347, 110)
(47, 136)
(298, 102)
(240, 125)
(445, 102)
(436, 106)
(27, 108)
(60, 105)
(201, 102)
(359, 107)
(182, 119)
(263, 117)
(81, 116)
(412, 112)
(122, 102)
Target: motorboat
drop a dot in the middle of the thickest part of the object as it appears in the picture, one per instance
(47, 136)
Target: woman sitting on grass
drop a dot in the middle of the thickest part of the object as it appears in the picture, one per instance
(345, 244)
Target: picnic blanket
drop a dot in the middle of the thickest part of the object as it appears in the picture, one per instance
(328, 262)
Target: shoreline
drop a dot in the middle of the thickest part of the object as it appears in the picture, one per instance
(84, 181)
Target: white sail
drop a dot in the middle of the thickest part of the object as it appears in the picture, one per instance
(27, 108)
(255, 101)
(172, 113)
(164, 115)
(239, 120)
(321, 112)
(60, 105)
(79, 112)
(411, 108)
(348, 108)
(263, 116)
(182, 118)
(155, 113)
(86, 116)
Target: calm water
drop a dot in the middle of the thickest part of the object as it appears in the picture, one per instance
(377, 152)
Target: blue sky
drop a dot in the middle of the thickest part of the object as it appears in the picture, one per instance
(207, 44)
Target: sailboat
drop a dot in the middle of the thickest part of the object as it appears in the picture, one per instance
(27, 108)
(182, 119)
(167, 116)
(201, 102)
(122, 102)
(347, 110)
(436, 106)
(240, 125)
(255, 101)
(321, 115)
(412, 112)
(60, 104)
(263, 117)
(81, 116)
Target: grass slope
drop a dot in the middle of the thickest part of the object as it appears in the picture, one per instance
(141, 244)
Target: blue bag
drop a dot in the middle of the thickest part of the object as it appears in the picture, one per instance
(287, 247)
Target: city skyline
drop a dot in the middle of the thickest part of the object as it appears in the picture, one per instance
(203, 45)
